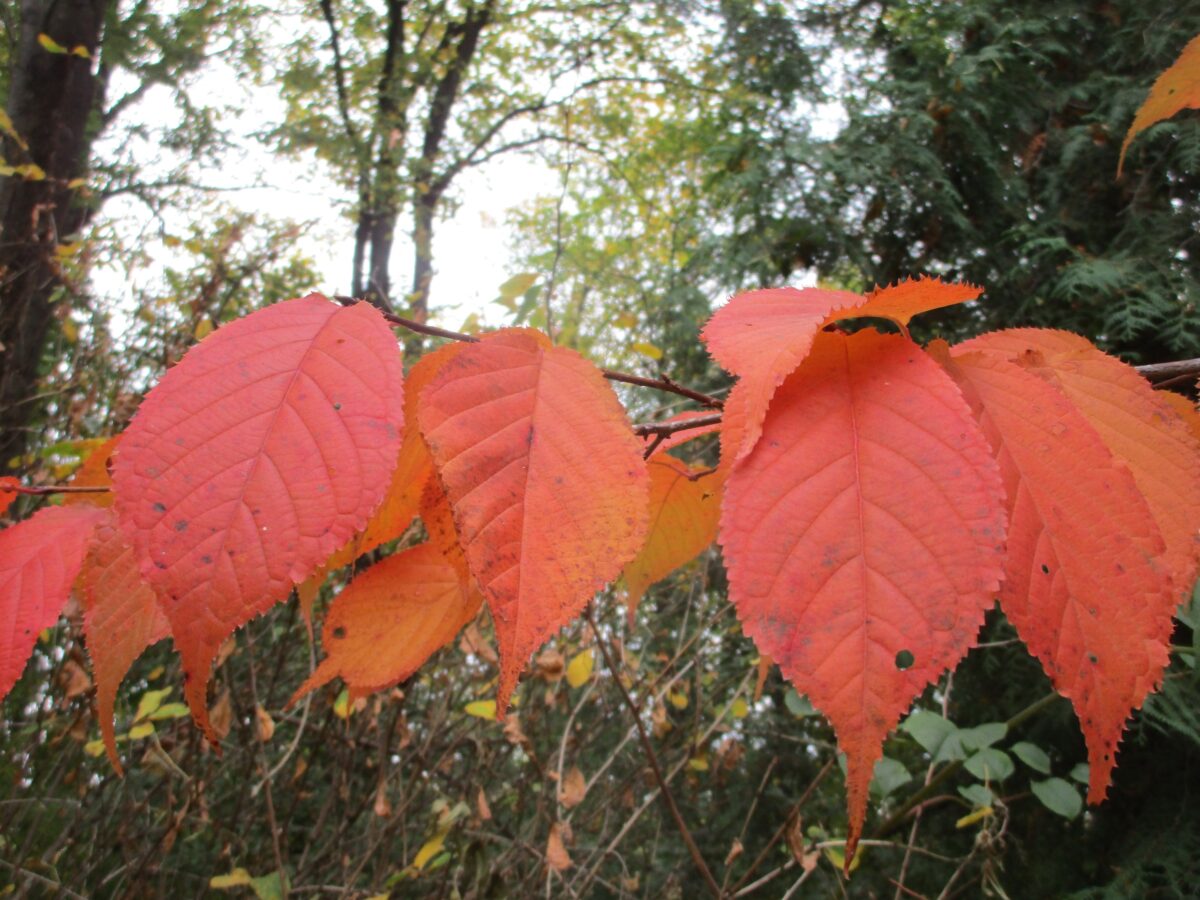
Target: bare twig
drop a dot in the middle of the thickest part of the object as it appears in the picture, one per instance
(652, 759)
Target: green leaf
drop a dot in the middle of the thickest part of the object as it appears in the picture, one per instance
(647, 349)
(928, 729)
(982, 735)
(1058, 796)
(980, 795)
(517, 285)
(1081, 772)
(1033, 756)
(990, 764)
(797, 704)
(889, 775)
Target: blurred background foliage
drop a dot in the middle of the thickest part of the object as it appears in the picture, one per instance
(699, 148)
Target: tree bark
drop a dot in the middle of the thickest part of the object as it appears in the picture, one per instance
(50, 101)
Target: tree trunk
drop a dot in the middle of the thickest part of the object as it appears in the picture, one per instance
(50, 100)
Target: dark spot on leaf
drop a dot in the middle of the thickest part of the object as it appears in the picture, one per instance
(159, 564)
(206, 559)
(159, 508)
(1093, 659)
(337, 406)
(339, 632)
(1045, 569)
(904, 660)
(181, 525)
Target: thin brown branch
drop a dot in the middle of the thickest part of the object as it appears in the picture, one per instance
(47, 489)
(1159, 372)
(652, 759)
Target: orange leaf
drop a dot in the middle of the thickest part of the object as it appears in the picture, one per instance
(1176, 89)
(254, 459)
(901, 301)
(39, 559)
(683, 522)
(7, 496)
(390, 619)
(121, 618)
(94, 473)
(762, 336)
(1185, 409)
(1136, 425)
(864, 537)
(414, 466)
(545, 478)
(1081, 584)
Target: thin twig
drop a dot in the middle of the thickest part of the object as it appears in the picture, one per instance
(652, 759)
(47, 489)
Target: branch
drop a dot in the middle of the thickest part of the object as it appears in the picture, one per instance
(663, 384)
(339, 74)
(652, 759)
(1169, 371)
(48, 489)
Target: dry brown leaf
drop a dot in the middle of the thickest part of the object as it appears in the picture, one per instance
(474, 643)
(220, 715)
(383, 806)
(573, 789)
(264, 725)
(550, 664)
(75, 679)
(557, 857)
(482, 807)
(734, 852)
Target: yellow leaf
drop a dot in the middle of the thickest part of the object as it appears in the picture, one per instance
(6, 125)
(169, 711)
(739, 709)
(678, 699)
(481, 709)
(81, 51)
(156, 673)
(837, 856)
(203, 329)
(517, 285)
(647, 349)
(971, 818)
(579, 670)
(429, 850)
(698, 763)
(239, 877)
(70, 331)
(94, 748)
(149, 702)
(141, 730)
(50, 45)
(341, 706)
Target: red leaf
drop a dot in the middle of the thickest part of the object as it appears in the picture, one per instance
(1136, 425)
(39, 559)
(1081, 585)
(762, 336)
(254, 459)
(683, 522)
(392, 618)
(7, 496)
(545, 478)
(121, 618)
(1176, 89)
(867, 522)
